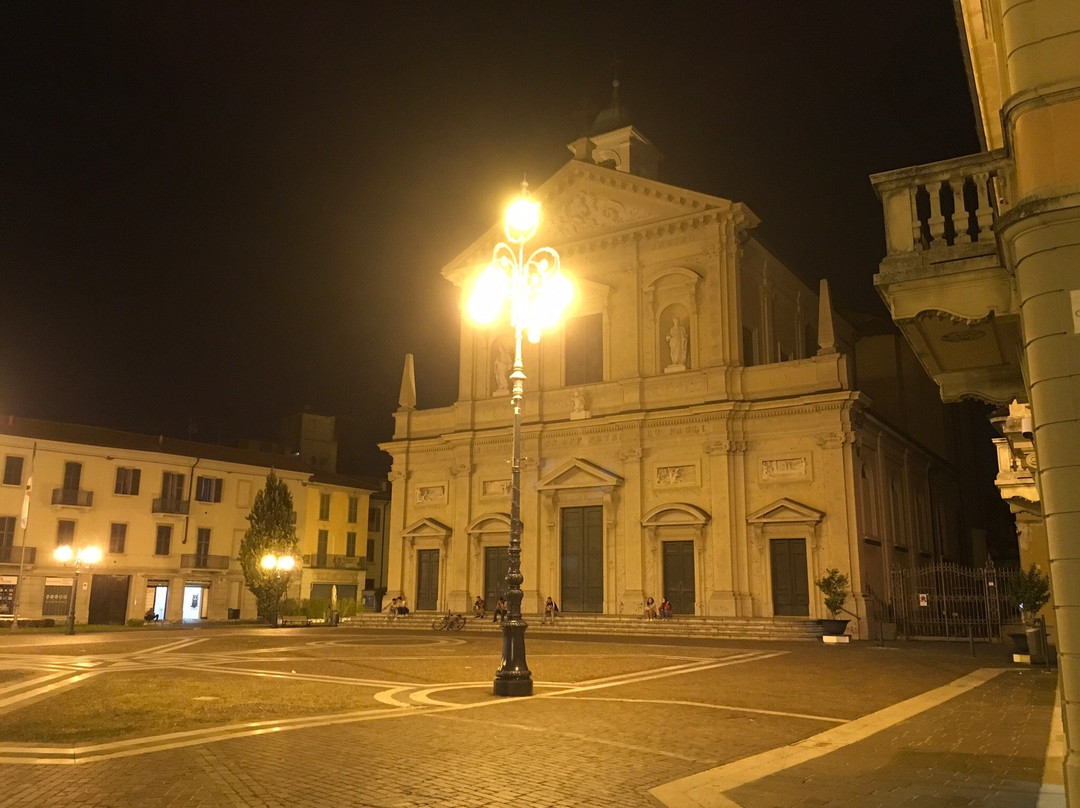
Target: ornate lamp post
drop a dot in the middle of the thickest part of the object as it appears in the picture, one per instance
(537, 293)
(85, 557)
(278, 566)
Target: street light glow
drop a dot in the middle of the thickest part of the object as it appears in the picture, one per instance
(268, 562)
(285, 563)
(63, 553)
(522, 218)
(89, 555)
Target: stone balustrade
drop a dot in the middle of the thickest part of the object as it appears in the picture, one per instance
(943, 205)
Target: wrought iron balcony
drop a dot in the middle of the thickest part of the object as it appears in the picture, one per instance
(943, 279)
(163, 505)
(10, 555)
(72, 496)
(334, 562)
(204, 561)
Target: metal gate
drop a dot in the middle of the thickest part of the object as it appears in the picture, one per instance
(949, 601)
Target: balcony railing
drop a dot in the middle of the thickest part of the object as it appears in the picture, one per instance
(204, 561)
(72, 496)
(163, 505)
(939, 205)
(10, 555)
(335, 562)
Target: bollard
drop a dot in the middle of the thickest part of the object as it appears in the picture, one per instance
(971, 640)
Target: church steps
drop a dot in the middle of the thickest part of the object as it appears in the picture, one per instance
(726, 628)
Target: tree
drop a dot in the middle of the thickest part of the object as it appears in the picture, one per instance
(833, 585)
(272, 532)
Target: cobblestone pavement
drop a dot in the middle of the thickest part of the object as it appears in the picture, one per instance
(610, 722)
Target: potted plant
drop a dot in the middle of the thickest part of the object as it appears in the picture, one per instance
(833, 585)
(1030, 590)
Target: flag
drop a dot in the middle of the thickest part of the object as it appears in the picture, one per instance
(26, 496)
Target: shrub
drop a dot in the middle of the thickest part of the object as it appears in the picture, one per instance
(315, 608)
(292, 606)
(833, 585)
(1030, 590)
(347, 607)
(135, 622)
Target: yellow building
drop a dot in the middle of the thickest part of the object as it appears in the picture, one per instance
(168, 516)
(983, 275)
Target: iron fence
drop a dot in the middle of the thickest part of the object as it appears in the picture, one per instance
(950, 601)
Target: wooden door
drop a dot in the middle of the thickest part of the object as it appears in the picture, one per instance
(790, 587)
(679, 576)
(496, 561)
(108, 600)
(583, 559)
(427, 580)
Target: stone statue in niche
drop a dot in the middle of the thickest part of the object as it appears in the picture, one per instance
(501, 370)
(676, 340)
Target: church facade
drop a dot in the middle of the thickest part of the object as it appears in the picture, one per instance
(692, 430)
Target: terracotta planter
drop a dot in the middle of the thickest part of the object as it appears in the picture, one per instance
(834, 628)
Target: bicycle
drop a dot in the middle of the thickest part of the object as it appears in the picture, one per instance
(449, 622)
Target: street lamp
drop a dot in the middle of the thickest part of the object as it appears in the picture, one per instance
(85, 557)
(538, 293)
(279, 566)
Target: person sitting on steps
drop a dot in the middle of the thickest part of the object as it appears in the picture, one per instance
(479, 608)
(500, 610)
(551, 611)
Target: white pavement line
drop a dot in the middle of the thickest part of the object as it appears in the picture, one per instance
(1052, 791)
(16, 686)
(388, 697)
(303, 677)
(168, 647)
(663, 673)
(41, 691)
(706, 789)
(130, 747)
(725, 707)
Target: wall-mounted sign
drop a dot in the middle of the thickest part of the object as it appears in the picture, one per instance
(924, 600)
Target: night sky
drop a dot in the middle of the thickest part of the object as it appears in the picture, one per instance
(213, 214)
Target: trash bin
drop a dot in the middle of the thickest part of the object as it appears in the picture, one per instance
(368, 599)
(234, 614)
(335, 617)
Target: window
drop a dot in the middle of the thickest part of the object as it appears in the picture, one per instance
(324, 507)
(172, 487)
(127, 481)
(117, 538)
(202, 546)
(585, 349)
(374, 520)
(13, 470)
(324, 538)
(371, 549)
(354, 502)
(7, 537)
(65, 531)
(350, 544)
(749, 347)
(164, 539)
(72, 476)
(208, 489)
(55, 601)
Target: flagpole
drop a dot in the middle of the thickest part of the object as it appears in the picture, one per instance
(24, 518)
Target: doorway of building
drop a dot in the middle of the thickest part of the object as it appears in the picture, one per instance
(790, 587)
(108, 600)
(583, 559)
(195, 601)
(678, 560)
(157, 597)
(496, 562)
(427, 580)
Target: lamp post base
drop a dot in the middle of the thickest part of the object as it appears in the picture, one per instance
(513, 679)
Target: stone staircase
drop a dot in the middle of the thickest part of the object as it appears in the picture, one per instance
(719, 628)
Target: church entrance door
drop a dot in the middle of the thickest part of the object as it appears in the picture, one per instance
(679, 576)
(427, 580)
(790, 590)
(583, 559)
(496, 560)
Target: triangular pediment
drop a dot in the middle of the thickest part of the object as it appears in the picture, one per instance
(583, 201)
(578, 473)
(786, 511)
(425, 528)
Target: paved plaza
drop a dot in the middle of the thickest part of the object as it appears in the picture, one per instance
(404, 719)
